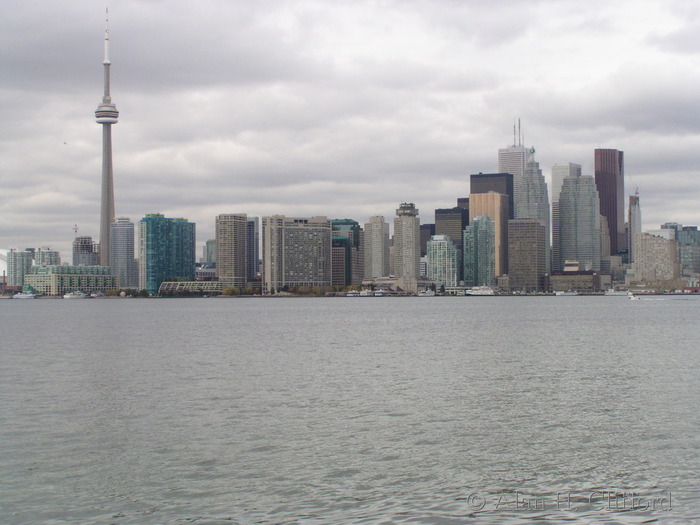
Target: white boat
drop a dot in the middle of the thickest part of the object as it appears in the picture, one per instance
(24, 295)
(633, 297)
(77, 294)
(480, 290)
(366, 293)
(352, 293)
(570, 292)
(612, 291)
(381, 293)
(426, 293)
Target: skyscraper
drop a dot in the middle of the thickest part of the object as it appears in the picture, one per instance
(610, 182)
(253, 247)
(560, 170)
(579, 223)
(480, 252)
(167, 251)
(526, 255)
(513, 160)
(231, 249)
(634, 223)
(296, 252)
(443, 261)
(499, 182)
(451, 222)
(348, 252)
(122, 252)
(376, 248)
(106, 114)
(85, 252)
(18, 264)
(495, 205)
(534, 200)
(407, 241)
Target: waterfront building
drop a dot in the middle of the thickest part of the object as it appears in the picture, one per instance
(688, 238)
(451, 222)
(493, 182)
(656, 258)
(18, 264)
(86, 252)
(527, 255)
(232, 249)
(253, 247)
(579, 224)
(121, 250)
(495, 205)
(106, 115)
(377, 248)
(610, 183)
(480, 251)
(426, 232)
(407, 241)
(167, 250)
(347, 247)
(296, 253)
(443, 261)
(57, 280)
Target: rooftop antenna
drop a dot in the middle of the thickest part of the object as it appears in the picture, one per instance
(514, 143)
(520, 136)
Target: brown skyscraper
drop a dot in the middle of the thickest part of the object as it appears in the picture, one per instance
(610, 182)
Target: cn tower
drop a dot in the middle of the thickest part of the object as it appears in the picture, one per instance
(106, 114)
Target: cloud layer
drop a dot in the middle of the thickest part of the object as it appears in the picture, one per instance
(340, 109)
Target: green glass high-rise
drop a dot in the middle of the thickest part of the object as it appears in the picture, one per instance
(480, 252)
(167, 250)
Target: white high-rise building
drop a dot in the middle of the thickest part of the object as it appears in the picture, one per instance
(231, 249)
(443, 261)
(121, 240)
(579, 224)
(513, 160)
(377, 245)
(407, 241)
(18, 264)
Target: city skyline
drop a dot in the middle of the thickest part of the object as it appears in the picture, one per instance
(340, 111)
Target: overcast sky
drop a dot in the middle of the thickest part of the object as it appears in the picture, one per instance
(342, 109)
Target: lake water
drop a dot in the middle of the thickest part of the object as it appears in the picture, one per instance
(350, 410)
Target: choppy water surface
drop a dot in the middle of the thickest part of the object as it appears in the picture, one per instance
(350, 410)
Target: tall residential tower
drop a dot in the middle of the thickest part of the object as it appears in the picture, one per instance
(106, 114)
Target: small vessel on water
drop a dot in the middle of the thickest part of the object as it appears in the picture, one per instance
(570, 292)
(366, 293)
(633, 297)
(24, 295)
(352, 293)
(426, 293)
(381, 293)
(76, 294)
(612, 291)
(480, 290)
